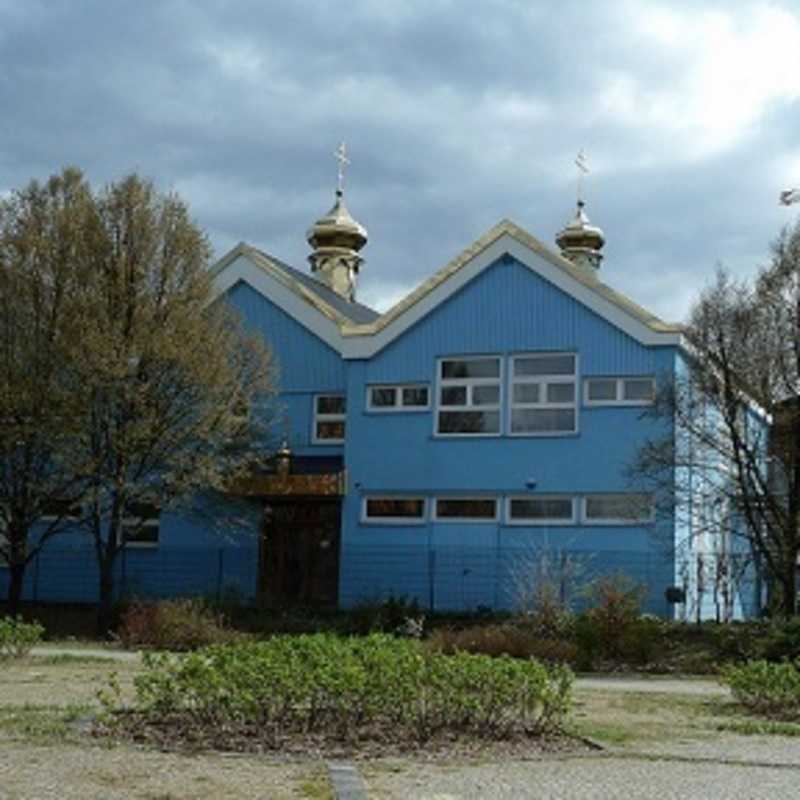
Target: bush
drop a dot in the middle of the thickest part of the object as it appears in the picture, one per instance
(183, 624)
(766, 688)
(513, 640)
(17, 638)
(377, 687)
(614, 629)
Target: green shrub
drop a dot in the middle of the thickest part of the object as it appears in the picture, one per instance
(766, 688)
(183, 624)
(373, 687)
(17, 638)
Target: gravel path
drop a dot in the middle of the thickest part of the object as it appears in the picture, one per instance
(585, 779)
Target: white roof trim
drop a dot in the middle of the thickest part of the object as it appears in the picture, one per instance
(243, 269)
(367, 345)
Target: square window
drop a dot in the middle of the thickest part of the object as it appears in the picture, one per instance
(415, 396)
(383, 396)
(601, 389)
(454, 396)
(642, 389)
(485, 395)
(560, 392)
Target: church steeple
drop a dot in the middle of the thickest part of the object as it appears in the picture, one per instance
(580, 241)
(336, 239)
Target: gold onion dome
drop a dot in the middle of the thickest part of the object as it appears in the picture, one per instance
(337, 229)
(580, 241)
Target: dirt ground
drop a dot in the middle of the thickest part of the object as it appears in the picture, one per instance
(45, 752)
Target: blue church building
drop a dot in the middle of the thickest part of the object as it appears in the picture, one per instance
(449, 451)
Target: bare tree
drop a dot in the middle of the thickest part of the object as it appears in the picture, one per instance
(41, 230)
(728, 475)
(166, 390)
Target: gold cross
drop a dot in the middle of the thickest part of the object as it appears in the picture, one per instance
(341, 156)
(581, 162)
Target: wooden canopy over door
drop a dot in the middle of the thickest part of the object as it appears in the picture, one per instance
(300, 552)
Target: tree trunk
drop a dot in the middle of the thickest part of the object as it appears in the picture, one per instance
(15, 579)
(105, 605)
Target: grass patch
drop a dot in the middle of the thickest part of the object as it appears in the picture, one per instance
(759, 727)
(315, 787)
(40, 724)
(68, 659)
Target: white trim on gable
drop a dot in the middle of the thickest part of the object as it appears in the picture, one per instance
(358, 341)
(243, 269)
(367, 345)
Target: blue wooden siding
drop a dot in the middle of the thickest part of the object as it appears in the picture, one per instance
(306, 366)
(196, 556)
(506, 310)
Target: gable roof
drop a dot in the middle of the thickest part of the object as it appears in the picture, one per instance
(322, 297)
(360, 332)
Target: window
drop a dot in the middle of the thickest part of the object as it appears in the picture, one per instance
(619, 391)
(624, 509)
(60, 510)
(140, 527)
(469, 397)
(329, 418)
(543, 394)
(397, 398)
(394, 510)
(475, 509)
(544, 510)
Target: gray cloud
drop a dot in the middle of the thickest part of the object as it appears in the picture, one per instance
(456, 115)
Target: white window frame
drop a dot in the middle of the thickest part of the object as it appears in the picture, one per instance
(605, 521)
(469, 384)
(367, 520)
(620, 390)
(538, 521)
(398, 400)
(317, 417)
(149, 522)
(466, 520)
(543, 405)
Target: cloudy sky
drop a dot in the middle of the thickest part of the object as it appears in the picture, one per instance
(456, 114)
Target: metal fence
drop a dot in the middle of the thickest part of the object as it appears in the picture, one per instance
(443, 578)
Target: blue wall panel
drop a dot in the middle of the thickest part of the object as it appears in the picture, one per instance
(306, 365)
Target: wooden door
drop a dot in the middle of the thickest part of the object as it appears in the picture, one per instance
(300, 552)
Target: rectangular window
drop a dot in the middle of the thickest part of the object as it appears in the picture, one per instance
(476, 509)
(397, 398)
(619, 509)
(469, 397)
(550, 510)
(543, 394)
(619, 391)
(140, 527)
(329, 418)
(394, 510)
(60, 510)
